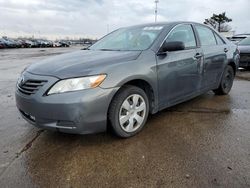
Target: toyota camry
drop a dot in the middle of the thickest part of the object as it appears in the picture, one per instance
(125, 76)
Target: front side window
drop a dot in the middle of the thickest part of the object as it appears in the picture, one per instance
(183, 33)
(206, 36)
(127, 39)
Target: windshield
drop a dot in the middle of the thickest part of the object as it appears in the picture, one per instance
(245, 41)
(126, 39)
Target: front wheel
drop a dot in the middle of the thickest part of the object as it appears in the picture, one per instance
(226, 82)
(128, 112)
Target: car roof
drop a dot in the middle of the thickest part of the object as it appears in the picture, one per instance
(165, 24)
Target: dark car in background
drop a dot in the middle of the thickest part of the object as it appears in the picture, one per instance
(2, 43)
(9, 43)
(126, 75)
(65, 43)
(35, 43)
(244, 47)
(27, 43)
(237, 38)
(18, 43)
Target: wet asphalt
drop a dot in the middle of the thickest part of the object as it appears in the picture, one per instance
(204, 142)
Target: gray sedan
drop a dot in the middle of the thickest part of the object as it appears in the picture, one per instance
(124, 76)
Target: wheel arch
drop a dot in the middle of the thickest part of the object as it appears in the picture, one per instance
(233, 65)
(147, 88)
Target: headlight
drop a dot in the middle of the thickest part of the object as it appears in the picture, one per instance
(76, 84)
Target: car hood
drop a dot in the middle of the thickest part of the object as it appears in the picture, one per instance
(80, 63)
(244, 49)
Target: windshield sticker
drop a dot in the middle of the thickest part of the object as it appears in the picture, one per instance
(157, 28)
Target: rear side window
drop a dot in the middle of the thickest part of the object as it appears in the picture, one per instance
(219, 40)
(206, 36)
(183, 33)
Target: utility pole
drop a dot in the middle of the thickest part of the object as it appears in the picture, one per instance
(156, 9)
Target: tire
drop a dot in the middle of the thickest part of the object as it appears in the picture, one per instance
(128, 111)
(226, 81)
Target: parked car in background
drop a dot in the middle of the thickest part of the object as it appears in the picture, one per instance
(57, 44)
(28, 44)
(244, 47)
(237, 38)
(62, 44)
(42, 43)
(65, 43)
(35, 43)
(39, 43)
(50, 44)
(18, 43)
(10, 43)
(126, 75)
(2, 43)
(2, 46)
(87, 43)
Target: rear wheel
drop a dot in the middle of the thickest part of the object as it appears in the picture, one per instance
(226, 82)
(129, 111)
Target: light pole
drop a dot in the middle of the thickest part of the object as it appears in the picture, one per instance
(156, 2)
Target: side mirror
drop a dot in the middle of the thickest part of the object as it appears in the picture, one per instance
(172, 46)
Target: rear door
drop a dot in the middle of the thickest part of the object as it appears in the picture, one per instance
(215, 56)
(178, 71)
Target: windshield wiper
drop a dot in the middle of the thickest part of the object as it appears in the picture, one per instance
(85, 48)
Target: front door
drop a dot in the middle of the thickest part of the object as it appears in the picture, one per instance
(179, 71)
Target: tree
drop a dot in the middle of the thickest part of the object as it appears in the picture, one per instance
(218, 20)
(225, 28)
(211, 22)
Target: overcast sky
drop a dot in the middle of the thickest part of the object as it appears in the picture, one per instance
(58, 18)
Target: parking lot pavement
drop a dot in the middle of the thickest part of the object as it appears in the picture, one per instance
(204, 142)
(243, 74)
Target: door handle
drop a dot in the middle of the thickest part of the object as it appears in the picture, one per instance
(197, 56)
(225, 50)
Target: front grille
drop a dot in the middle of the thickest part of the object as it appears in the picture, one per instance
(30, 87)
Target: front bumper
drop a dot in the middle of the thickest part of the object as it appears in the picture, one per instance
(80, 112)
